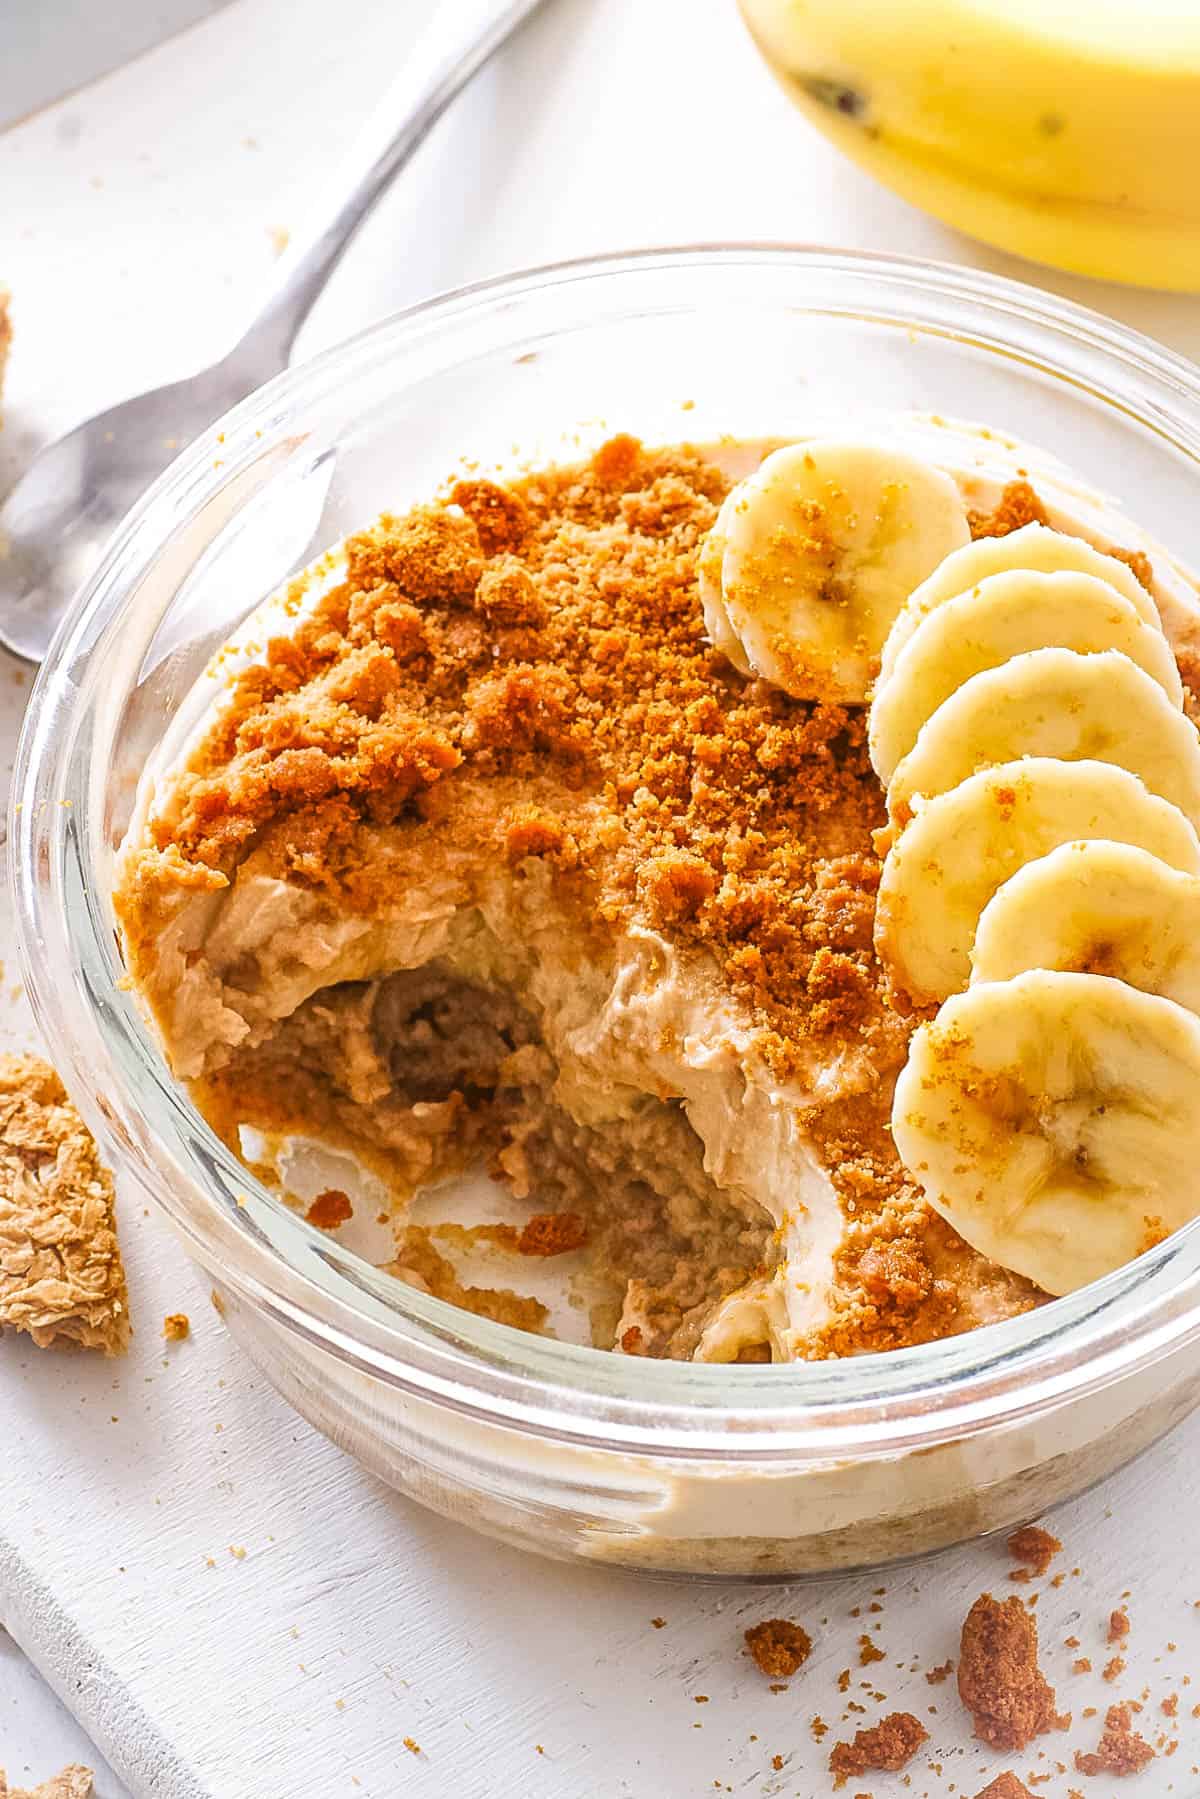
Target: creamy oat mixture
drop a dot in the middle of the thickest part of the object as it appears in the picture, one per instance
(491, 856)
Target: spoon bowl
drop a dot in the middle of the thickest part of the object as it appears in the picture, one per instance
(59, 516)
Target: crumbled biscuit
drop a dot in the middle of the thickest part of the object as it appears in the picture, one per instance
(779, 1647)
(1034, 1548)
(74, 1782)
(61, 1275)
(999, 1680)
(1005, 1786)
(886, 1747)
(1120, 1750)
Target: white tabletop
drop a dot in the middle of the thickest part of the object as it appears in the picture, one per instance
(139, 218)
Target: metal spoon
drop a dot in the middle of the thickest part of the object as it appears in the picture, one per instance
(58, 517)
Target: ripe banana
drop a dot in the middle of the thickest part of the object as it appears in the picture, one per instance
(945, 867)
(712, 557)
(1096, 908)
(1062, 132)
(1035, 548)
(1099, 708)
(1052, 1120)
(815, 553)
(1003, 616)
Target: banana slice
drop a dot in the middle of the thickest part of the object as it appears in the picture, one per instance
(1052, 1120)
(1096, 908)
(712, 556)
(1035, 549)
(818, 550)
(962, 846)
(1101, 708)
(1003, 617)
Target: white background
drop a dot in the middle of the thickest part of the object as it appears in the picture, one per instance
(138, 221)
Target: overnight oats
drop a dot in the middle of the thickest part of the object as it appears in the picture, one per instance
(773, 865)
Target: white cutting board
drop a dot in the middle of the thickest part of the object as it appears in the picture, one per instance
(355, 1620)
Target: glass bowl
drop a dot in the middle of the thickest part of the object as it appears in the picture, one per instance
(775, 1471)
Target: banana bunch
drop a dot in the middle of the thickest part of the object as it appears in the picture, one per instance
(1043, 883)
(1063, 132)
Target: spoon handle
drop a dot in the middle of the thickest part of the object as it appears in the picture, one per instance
(455, 47)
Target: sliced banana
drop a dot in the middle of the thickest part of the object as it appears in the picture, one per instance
(1003, 617)
(1036, 549)
(814, 555)
(1053, 702)
(962, 846)
(716, 620)
(1096, 908)
(1052, 1120)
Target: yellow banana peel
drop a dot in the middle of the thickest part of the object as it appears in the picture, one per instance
(1065, 132)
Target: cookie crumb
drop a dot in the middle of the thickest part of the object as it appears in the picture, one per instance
(1118, 1625)
(176, 1326)
(999, 1680)
(1005, 1786)
(1035, 1549)
(778, 1646)
(61, 1275)
(1120, 1749)
(1018, 505)
(413, 1748)
(935, 1676)
(552, 1234)
(330, 1209)
(869, 1652)
(74, 1782)
(886, 1747)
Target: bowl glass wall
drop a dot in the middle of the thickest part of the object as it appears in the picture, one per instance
(777, 1470)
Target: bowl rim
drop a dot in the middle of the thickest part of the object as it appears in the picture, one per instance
(868, 1405)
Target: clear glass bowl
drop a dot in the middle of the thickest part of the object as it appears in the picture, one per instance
(569, 1451)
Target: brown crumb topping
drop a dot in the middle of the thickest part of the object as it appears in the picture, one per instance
(176, 1326)
(999, 1680)
(330, 1209)
(1120, 1750)
(886, 1748)
(1017, 506)
(553, 628)
(1005, 1786)
(779, 1647)
(1138, 561)
(61, 1275)
(552, 1234)
(1034, 1548)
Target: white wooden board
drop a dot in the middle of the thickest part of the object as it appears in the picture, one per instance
(135, 222)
